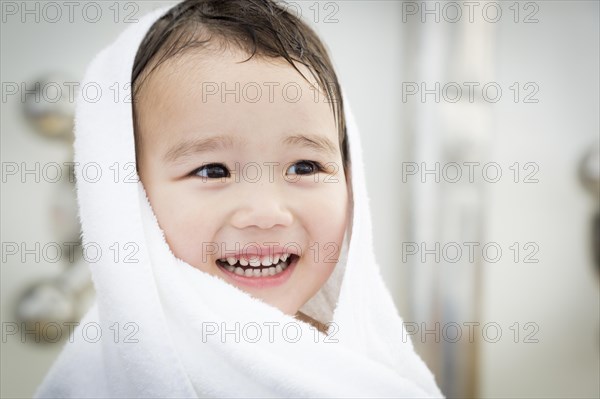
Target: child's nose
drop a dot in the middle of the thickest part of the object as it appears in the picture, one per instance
(263, 208)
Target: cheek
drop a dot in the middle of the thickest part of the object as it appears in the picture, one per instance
(189, 221)
(326, 222)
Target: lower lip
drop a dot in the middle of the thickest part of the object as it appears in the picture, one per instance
(262, 282)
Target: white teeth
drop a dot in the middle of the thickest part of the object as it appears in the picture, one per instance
(266, 261)
(255, 261)
(278, 263)
(264, 272)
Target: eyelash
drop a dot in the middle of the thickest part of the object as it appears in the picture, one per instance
(316, 168)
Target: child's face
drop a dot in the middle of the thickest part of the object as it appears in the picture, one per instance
(256, 128)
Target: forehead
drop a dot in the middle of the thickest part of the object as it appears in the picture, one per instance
(218, 93)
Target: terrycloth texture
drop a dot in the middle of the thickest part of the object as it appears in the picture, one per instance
(169, 308)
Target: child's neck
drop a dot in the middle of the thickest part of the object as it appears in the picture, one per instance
(307, 319)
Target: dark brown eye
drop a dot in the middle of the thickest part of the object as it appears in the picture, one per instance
(304, 168)
(212, 171)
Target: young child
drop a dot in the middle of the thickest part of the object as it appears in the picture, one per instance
(250, 160)
(240, 263)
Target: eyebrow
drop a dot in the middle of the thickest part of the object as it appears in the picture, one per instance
(317, 143)
(195, 146)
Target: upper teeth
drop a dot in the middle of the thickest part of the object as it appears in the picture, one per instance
(256, 261)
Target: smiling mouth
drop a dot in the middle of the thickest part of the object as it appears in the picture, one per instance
(257, 267)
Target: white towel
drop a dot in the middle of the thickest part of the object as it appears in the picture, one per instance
(156, 317)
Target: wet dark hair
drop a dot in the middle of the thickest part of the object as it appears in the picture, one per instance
(261, 28)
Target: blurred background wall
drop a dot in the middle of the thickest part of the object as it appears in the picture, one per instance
(540, 294)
